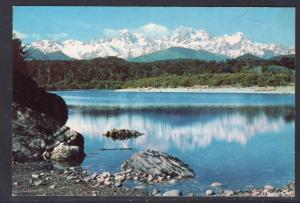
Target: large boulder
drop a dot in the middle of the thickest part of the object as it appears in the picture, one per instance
(157, 165)
(67, 145)
(63, 152)
(36, 136)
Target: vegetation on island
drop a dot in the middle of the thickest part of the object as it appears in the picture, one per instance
(116, 73)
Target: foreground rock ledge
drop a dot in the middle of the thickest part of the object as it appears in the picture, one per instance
(155, 166)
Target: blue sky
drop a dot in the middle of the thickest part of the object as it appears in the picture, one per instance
(264, 25)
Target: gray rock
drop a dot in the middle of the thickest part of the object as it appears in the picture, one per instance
(65, 152)
(172, 181)
(106, 174)
(291, 193)
(150, 178)
(228, 192)
(269, 187)
(140, 187)
(273, 194)
(120, 178)
(155, 191)
(87, 179)
(107, 183)
(100, 179)
(157, 163)
(84, 172)
(71, 177)
(38, 183)
(190, 195)
(52, 186)
(209, 192)
(160, 178)
(94, 175)
(172, 193)
(216, 184)
(70, 147)
(118, 184)
(34, 175)
(67, 172)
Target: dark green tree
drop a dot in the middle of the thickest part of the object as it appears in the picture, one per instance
(20, 53)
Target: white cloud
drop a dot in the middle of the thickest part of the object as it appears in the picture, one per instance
(20, 35)
(57, 36)
(153, 30)
(150, 30)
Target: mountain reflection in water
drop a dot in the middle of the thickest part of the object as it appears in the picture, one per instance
(183, 128)
(236, 139)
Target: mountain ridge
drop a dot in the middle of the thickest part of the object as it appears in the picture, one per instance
(36, 54)
(129, 44)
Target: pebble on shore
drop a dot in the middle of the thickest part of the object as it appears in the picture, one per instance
(172, 193)
(266, 191)
(114, 181)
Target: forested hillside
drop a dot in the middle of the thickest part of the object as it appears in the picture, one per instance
(112, 72)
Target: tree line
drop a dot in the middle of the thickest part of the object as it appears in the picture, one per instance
(113, 72)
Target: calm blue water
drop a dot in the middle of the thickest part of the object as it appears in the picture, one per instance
(241, 140)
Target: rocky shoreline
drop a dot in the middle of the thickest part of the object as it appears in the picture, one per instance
(45, 178)
(143, 168)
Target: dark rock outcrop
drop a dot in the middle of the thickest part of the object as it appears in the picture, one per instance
(27, 93)
(37, 136)
(31, 131)
(122, 134)
(38, 130)
(156, 166)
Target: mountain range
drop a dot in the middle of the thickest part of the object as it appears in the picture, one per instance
(184, 42)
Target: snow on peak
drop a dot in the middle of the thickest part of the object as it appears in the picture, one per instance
(182, 34)
(234, 38)
(125, 43)
(47, 46)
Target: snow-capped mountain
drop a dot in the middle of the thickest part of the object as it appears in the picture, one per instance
(129, 44)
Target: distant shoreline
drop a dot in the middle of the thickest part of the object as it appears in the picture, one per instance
(206, 89)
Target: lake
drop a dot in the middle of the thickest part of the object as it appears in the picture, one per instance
(241, 140)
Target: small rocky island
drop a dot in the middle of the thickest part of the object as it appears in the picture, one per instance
(122, 134)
